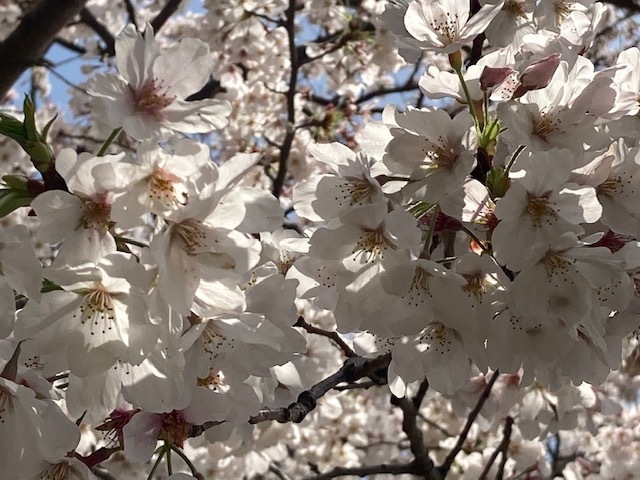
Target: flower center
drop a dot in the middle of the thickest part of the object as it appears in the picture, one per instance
(475, 286)
(174, 429)
(152, 98)
(442, 156)
(419, 289)
(515, 8)
(191, 235)
(555, 264)
(438, 338)
(546, 126)
(356, 192)
(372, 244)
(96, 214)
(97, 310)
(446, 27)
(539, 209)
(562, 9)
(161, 189)
(214, 381)
(215, 340)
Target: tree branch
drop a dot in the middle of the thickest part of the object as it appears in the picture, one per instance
(448, 461)
(285, 151)
(502, 448)
(348, 351)
(422, 462)
(30, 40)
(354, 369)
(103, 32)
(392, 469)
(165, 14)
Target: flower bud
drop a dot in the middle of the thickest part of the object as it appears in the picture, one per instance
(538, 74)
(492, 77)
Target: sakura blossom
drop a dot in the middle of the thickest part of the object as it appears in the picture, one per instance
(295, 239)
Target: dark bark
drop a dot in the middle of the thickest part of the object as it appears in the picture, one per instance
(25, 46)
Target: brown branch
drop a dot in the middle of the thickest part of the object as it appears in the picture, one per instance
(630, 5)
(165, 14)
(131, 11)
(422, 462)
(285, 151)
(98, 27)
(98, 456)
(502, 448)
(354, 369)
(392, 469)
(25, 46)
(348, 351)
(448, 461)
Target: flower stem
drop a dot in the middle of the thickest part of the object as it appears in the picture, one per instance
(167, 448)
(155, 465)
(432, 227)
(475, 238)
(131, 242)
(467, 95)
(181, 454)
(513, 159)
(109, 141)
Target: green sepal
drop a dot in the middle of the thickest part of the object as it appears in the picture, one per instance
(498, 181)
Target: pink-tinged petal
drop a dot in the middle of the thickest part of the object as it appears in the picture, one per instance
(492, 77)
(539, 74)
(141, 436)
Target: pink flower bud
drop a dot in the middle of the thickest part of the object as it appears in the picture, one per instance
(492, 77)
(538, 74)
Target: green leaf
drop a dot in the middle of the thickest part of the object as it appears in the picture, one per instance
(16, 182)
(13, 128)
(11, 199)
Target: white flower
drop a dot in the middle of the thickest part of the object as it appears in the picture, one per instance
(19, 270)
(147, 98)
(323, 197)
(540, 205)
(157, 181)
(81, 218)
(99, 318)
(444, 25)
(434, 149)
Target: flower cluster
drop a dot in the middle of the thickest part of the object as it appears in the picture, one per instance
(486, 250)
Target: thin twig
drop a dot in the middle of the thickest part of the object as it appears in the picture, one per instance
(131, 11)
(165, 14)
(285, 151)
(359, 385)
(392, 469)
(502, 448)
(448, 461)
(433, 424)
(348, 351)
(100, 29)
